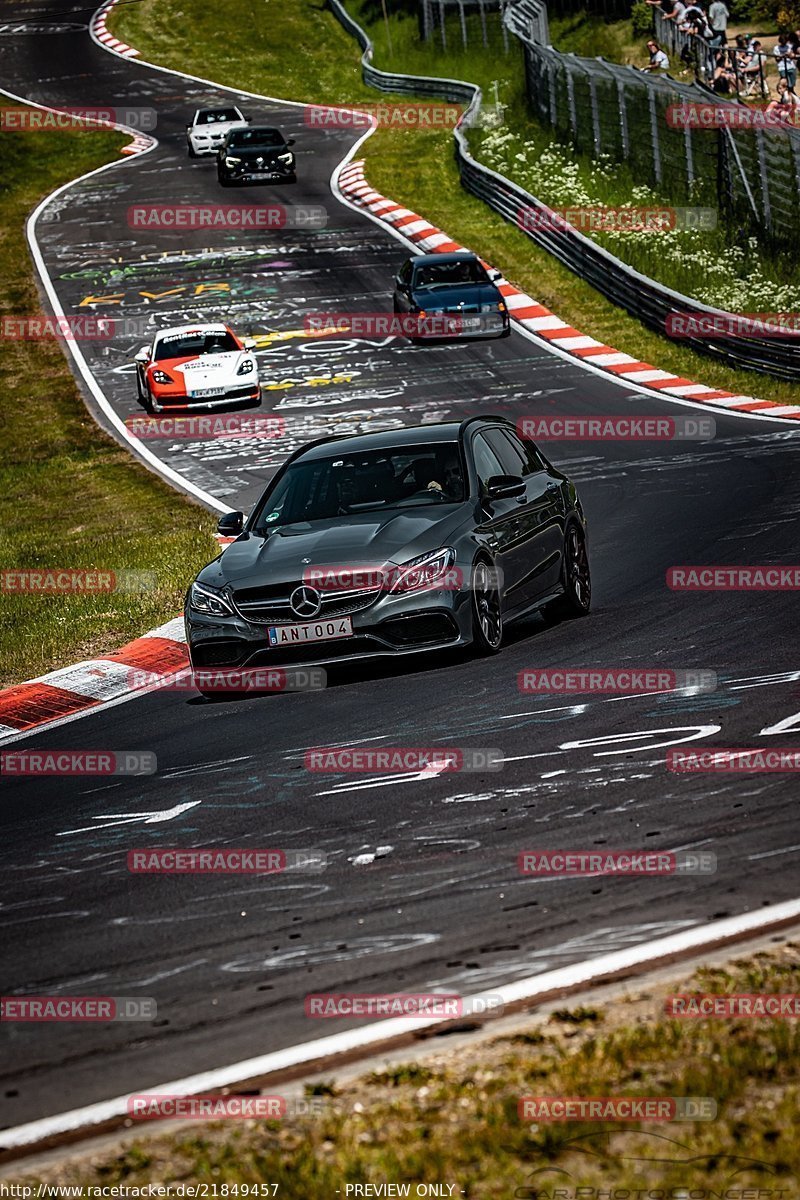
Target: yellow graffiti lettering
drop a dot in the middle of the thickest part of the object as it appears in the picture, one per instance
(89, 300)
(160, 295)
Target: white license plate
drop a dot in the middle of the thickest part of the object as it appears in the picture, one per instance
(209, 392)
(265, 175)
(312, 631)
(471, 322)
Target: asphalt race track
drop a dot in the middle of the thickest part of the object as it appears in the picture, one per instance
(422, 888)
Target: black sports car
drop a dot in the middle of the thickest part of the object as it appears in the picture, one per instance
(429, 285)
(257, 154)
(392, 543)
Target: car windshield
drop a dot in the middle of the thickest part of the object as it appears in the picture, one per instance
(449, 274)
(189, 345)
(375, 480)
(212, 116)
(256, 137)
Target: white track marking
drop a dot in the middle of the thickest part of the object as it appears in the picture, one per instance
(143, 818)
(572, 977)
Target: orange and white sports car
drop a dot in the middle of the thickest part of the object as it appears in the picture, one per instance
(198, 367)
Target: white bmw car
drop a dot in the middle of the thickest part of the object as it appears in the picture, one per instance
(198, 367)
(210, 127)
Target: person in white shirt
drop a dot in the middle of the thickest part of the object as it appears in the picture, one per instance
(785, 60)
(785, 108)
(718, 15)
(658, 59)
(678, 13)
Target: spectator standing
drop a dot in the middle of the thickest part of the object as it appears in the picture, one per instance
(785, 60)
(718, 15)
(794, 45)
(658, 59)
(678, 13)
(694, 20)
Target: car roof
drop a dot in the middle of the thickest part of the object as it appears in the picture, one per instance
(219, 108)
(455, 256)
(191, 329)
(411, 435)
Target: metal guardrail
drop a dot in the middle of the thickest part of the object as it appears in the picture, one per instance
(642, 297)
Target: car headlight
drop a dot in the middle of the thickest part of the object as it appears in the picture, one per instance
(423, 572)
(498, 307)
(246, 366)
(204, 599)
(286, 158)
(231, 162)
(162, 377)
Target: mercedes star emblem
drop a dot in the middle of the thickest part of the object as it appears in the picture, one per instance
(305, 602)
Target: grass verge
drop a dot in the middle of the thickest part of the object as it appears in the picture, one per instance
(415, 168)
(452, 1117)
(70, 497)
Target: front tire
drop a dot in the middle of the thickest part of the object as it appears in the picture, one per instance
(487, 616)
(576, 577)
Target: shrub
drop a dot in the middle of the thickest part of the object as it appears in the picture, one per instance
(641, 19)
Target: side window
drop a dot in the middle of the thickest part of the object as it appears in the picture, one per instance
(510, 455)
(531, 456)
(486, 461)
(405, 272)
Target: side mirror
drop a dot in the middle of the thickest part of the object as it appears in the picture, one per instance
(494, 274)
(290, 141)
(498, 487)
(230, 524)
(249, 343)
(143, 356)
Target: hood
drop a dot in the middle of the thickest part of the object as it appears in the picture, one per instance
(363, 540)
(251, 153)
(209, 370)
(438, 298)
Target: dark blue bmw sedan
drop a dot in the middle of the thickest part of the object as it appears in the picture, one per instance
(458, 284)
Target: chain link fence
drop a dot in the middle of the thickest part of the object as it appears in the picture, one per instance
(447, 21)
(602, 108)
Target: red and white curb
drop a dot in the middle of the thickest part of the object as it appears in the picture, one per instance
(97, 27)
(537, 319)
(73, 690)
